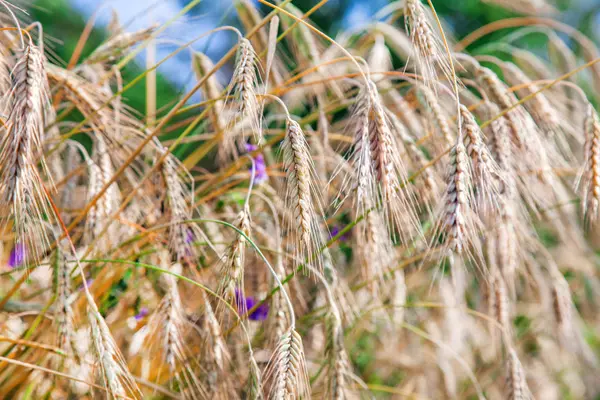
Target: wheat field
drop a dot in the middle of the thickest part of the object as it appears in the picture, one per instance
(390, 213)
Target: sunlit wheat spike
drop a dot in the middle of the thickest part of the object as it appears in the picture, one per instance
(590, 186)
(440, 120)
(562, 306)
(429, 187)
(254, 384)
(287, 369)
(202, 66)
(530, 7)
(171, 308)
(339, 367)
(64, 310)
(118, 45)
(361, 178)
(113, 370)
(544, 114)
(217, 347)
(302, 198)
(524, 132)
(485, 171)
(182, 232)
(375, 251)
(101, 170)
(516, 384)
(243, 92)
(166, 329)
(391, 177)
(507, 243)
(23, 190)
(458, 197)
(500, 148)
(232, 270)
(429, 49)
(501, 302)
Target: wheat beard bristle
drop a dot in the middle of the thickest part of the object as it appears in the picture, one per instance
(298, 166)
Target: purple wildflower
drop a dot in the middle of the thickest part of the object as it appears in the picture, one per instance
(189, 237)
(245, 303)
(143, 312)
(259, 163)
(335, 230)
(17, 255)
(88, 282)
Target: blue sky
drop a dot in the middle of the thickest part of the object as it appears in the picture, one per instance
(137, 14)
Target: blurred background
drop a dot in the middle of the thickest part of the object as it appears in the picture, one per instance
(64, 20)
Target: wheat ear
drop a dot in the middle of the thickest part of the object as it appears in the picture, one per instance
(243, 91)
(516, 384)
(591, 170)
(302, 197)
(23, 190)
(287, 369)
(458, 194)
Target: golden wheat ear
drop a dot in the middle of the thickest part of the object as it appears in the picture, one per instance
(302, 195)
(243, 92)
(24, 193)
(286, 371)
